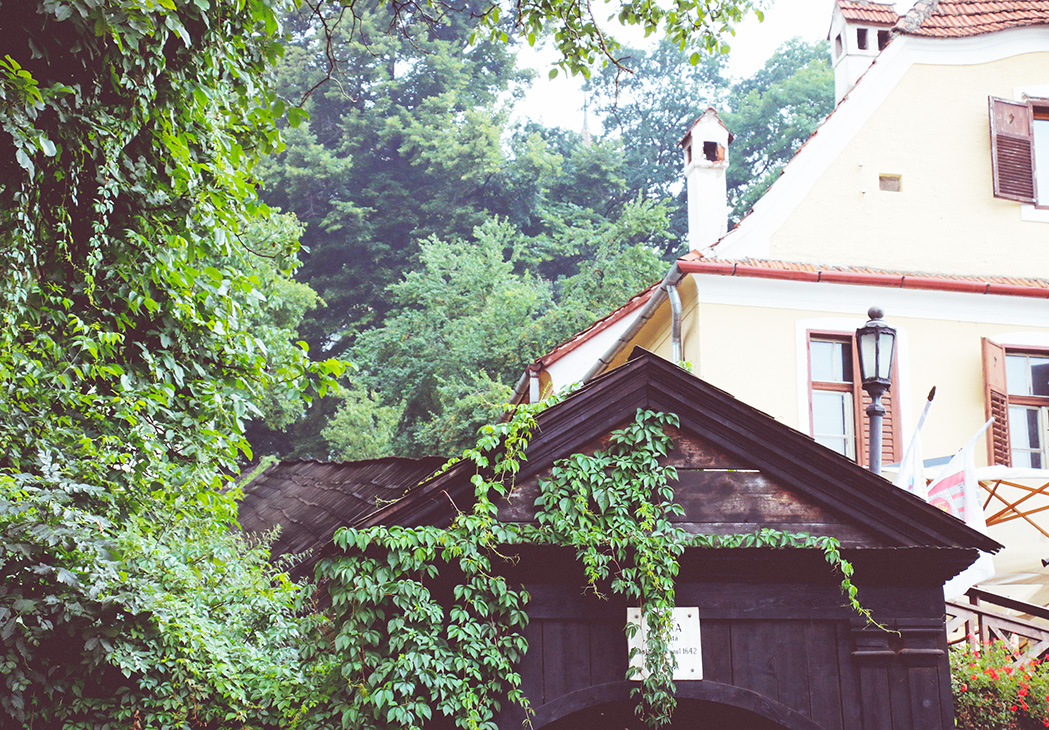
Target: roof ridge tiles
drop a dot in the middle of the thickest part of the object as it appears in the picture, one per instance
(966, 18)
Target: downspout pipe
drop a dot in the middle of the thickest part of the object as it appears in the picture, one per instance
(667, 289)
(675, 324)
(534, 394)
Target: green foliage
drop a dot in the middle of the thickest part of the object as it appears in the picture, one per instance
(145, 314)
(406, 655)
(772, 114)
(399, 146)
(105, 622)
(135, 339)
(583, 43)
(615, 507)
(461, 313)
(996, 690)
(362, 428)
(466, 321)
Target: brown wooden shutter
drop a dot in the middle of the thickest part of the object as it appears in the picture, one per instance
(996, 403)
(891, 441)
(1012, 150)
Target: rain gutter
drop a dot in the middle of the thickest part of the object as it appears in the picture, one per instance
(666, 289)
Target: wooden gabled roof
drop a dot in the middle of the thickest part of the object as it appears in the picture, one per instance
(310, 500)
(895, 518)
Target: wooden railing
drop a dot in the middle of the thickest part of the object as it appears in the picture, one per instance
(981, 621)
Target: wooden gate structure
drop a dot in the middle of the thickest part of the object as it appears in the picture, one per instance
(779, 647)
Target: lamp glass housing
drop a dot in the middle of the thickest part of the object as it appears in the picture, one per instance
(877, 342)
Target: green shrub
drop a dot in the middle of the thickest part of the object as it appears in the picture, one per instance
(995, 691)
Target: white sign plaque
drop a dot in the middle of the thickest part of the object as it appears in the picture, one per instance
(684, 643)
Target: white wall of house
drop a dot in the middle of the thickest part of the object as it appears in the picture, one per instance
(918, 124)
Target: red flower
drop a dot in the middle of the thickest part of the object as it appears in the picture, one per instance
(1012, 708)
(963, 688)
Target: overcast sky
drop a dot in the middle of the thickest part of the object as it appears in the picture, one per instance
(560, 102)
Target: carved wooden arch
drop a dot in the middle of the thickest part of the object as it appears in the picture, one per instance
(703, 690)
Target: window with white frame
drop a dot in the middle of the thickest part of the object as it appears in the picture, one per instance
(1016, 381)
(1027, 383)
(832, 402)
(837, 401)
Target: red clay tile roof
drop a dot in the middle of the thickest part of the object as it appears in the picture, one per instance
(963, 18)
(862, 11)
(866, 276)
(599, 326)
(694, 263)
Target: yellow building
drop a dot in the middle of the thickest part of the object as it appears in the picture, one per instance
(919, 194)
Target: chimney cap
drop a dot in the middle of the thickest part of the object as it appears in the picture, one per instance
(710, 112)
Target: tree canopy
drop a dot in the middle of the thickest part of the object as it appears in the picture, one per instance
(148, 307)
(141, 329)
(770, 113)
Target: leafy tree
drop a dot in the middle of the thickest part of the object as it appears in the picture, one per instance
(133, 341)
(560, 190)
(362, 427)
(109, 622)
(138, 334)
(400, 145)
(650, 110)
(772, 114)
(467, 322)
(462, 312)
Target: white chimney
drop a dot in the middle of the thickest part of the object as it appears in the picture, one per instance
(859, 31)
(705, 150)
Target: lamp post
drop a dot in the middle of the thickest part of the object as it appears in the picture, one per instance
(876, 342)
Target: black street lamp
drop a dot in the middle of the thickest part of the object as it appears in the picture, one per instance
(876, 342)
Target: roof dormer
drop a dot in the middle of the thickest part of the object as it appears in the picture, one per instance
(859, 31)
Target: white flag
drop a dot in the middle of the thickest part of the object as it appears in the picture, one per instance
(911, 475)
(957, 492)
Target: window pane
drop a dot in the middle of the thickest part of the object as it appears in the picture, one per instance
(1026, 437)
(1041, 159)
(832, 423)
(1039, 375)
(1016, 375)
(831, 361)
(1027, 375)
(1023, 427)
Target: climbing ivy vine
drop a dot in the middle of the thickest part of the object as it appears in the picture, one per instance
(407, 651)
